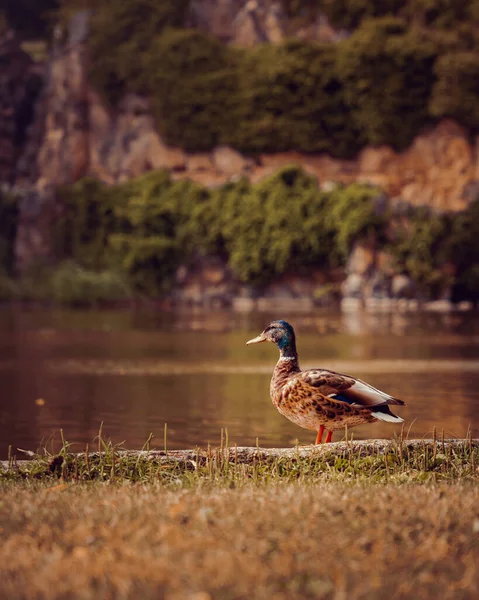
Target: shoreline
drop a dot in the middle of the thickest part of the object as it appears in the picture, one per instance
(262, 304)
(438, 455)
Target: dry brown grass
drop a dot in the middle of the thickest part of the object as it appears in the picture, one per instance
(276, 541)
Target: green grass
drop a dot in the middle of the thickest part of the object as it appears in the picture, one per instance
(399, 461)
(66, 284)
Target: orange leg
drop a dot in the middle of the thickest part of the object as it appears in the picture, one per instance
(319, 437)
(329, 437)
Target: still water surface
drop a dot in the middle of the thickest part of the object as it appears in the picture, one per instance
(73, 370)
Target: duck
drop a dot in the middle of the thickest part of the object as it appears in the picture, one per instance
(318, 399)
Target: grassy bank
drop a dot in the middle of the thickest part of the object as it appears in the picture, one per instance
(376, 461)
(291, 540)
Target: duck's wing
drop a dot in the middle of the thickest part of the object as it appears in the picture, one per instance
(346, 388)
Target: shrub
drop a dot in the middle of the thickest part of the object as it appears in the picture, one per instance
(85, 221)
(291, 97)
(350, 13)
(8, 230)
(355, 213)
(122, 34)
(8, 287)
(463, 252)
(280, 226)
(154, 238)
(192, 79)
(151, 225)
(440, 250)
(374, 87)
(439, 13)
(456, 92)
(421, 250)
(30, 18)
(285, 223)
(344, 13)
(388, 77)
(72, 285)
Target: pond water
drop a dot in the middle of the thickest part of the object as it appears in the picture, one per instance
(136, 371)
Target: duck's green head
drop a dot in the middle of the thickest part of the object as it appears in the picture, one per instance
(280, 333)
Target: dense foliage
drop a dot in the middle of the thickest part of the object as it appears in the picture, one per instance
(291, 96)
(421, 249)
(114, 241)
(350, 13)
(31, 18)
(146, 228)
(123, 33)
(8, 229)
(388, 74)
(192, 79)
(456, 93)
(379, 85)
(463, 252)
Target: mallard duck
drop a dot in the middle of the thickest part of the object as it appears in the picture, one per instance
(318, 399)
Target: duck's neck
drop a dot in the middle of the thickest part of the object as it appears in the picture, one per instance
(288, 358)
(285, 368)
(287, 347)
(287, 365)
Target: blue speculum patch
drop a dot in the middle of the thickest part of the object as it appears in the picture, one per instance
(342, 398)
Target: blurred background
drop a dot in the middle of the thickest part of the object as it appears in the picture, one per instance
(176, 173)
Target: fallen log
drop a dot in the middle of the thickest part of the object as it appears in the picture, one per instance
(191, 458)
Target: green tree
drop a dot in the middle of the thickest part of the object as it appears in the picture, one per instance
(86, 218)
(463, 251)
(291, 97)
(123, 32)
(192, 80)
(421, 249)
(153, 241)
(8, 230)
(30, 18)
(456, 92)
(388, 75)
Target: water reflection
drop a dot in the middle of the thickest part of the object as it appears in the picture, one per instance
(136, 371)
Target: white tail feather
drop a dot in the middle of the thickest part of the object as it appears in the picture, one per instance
(385, 417)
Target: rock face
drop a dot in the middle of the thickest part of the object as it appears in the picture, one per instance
(19, 86)
(209, 282)
(440, 169)
(240, 22)
(246, 23)
(370, 278)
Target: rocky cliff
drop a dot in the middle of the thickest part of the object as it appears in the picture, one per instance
(74, 134)
(246, 23)
(20, 82)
